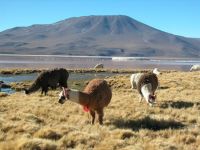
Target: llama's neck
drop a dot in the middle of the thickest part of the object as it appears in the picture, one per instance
(34, 87)
(146, 91)
(137, 77)
(79, 97)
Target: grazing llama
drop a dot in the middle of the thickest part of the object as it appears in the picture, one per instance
(146, 84)
(96, 95)
(50, 78)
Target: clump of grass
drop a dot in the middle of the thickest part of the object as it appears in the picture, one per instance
(35, 144)
(2, 94)
(34, 119)
(80, 140)
(6, 127)
(79, 70)
(19, 86)
(127, 135)
(187, 139)
(19, 71)
(48, 134)
(123, 134)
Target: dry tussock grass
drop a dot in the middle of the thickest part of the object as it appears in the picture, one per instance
(78, 70)
(40, 122)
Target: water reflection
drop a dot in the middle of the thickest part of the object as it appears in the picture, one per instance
(7, 79)
(7, 90)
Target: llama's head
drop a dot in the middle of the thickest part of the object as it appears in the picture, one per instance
(152, 99)
(63, 95)
(69, 94)
(26, 91)
(148, 94)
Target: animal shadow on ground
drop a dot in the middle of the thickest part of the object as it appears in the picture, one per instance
(178, 104)
(148, 123)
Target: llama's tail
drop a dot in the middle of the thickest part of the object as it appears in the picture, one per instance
(34, 87)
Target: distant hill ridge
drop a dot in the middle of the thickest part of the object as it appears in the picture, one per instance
(115, 35)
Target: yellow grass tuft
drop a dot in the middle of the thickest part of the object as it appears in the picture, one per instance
(48, 134)
(2, 94)
(35, 144)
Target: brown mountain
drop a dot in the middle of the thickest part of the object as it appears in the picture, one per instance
(97, 35)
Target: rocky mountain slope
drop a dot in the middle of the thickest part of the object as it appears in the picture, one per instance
(97, 35)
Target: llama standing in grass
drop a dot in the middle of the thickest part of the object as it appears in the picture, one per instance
(50, 78)
(136, 76)
(96, 95)
(195, 67)
(146, 84)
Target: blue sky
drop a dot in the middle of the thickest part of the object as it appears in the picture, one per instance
(180, 17)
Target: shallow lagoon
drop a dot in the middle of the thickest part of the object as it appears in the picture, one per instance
(72, 62)
(76, 80)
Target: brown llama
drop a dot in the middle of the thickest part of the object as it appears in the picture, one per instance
(96, 95)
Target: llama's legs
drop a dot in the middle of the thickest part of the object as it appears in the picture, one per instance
(92, 113)
(100, 113)
(132, 85)
(42, 91)
(141, 97)
(45, 90)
